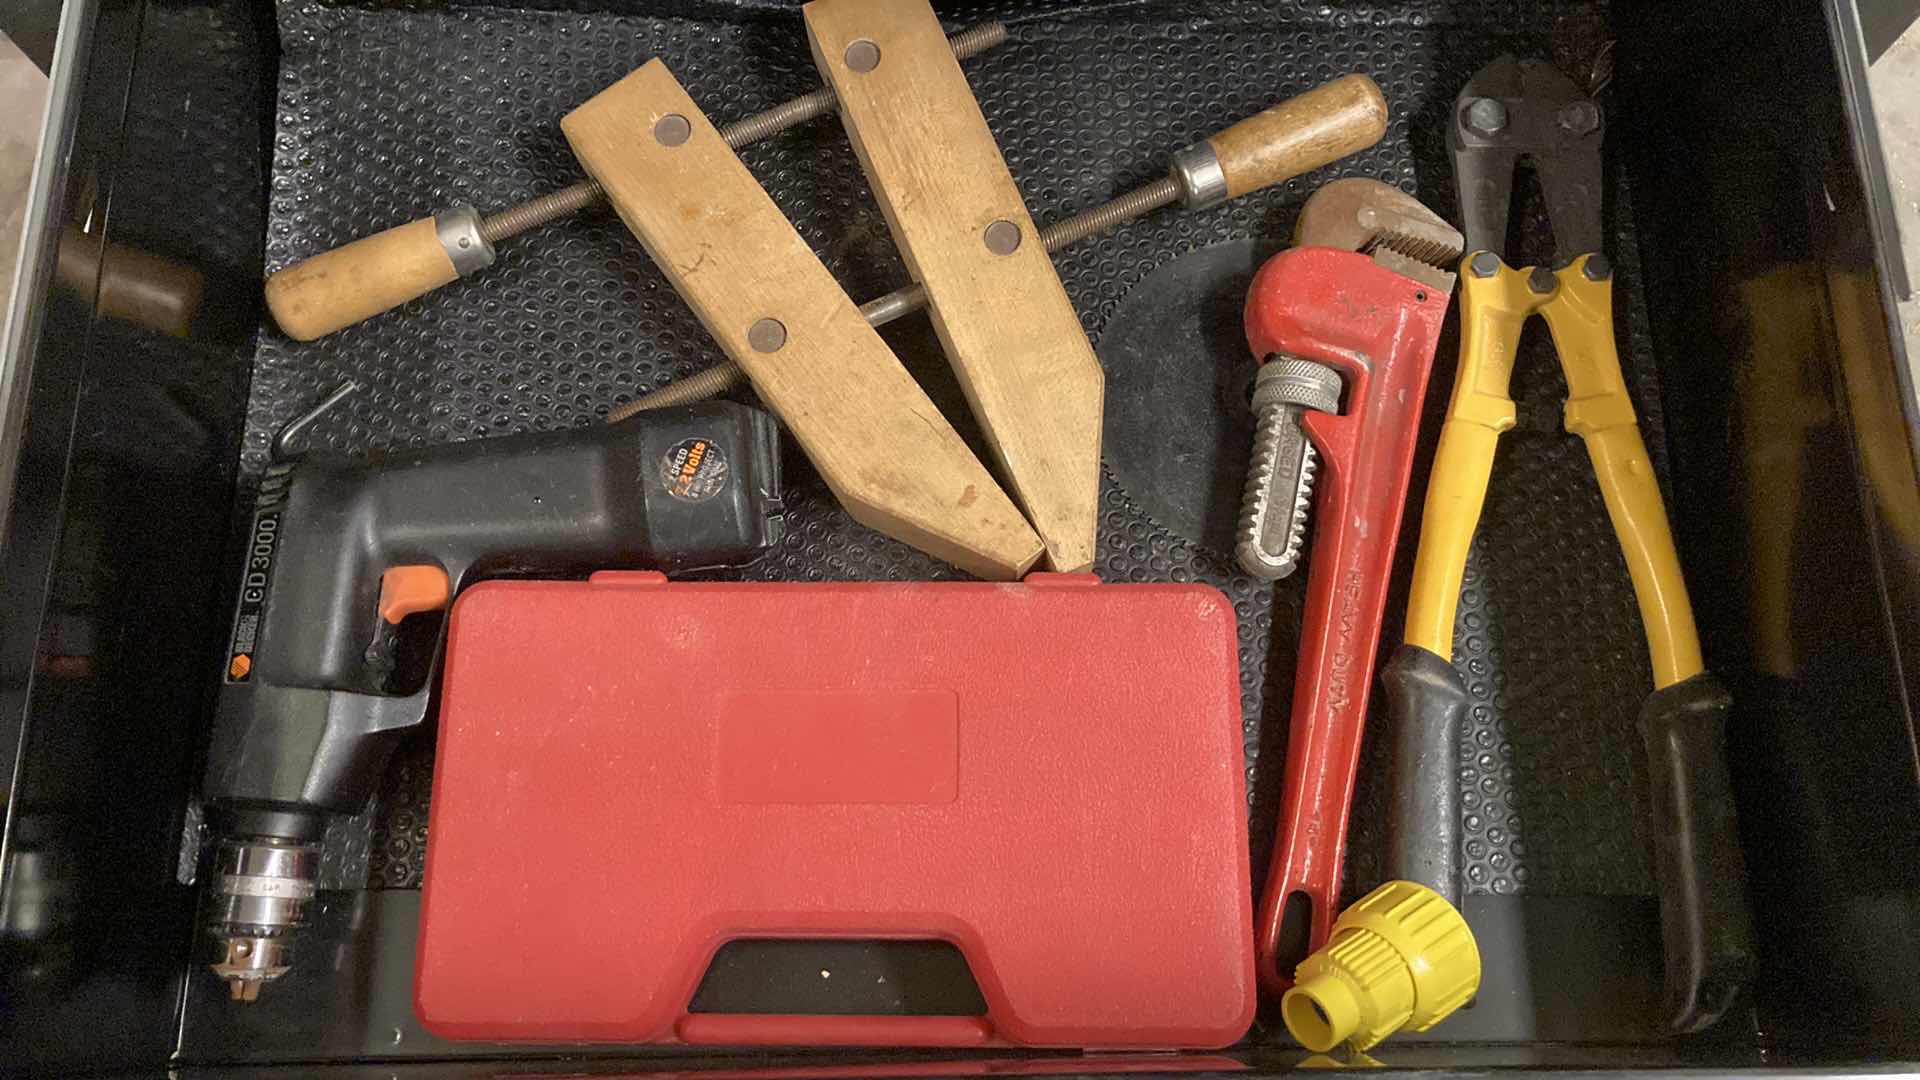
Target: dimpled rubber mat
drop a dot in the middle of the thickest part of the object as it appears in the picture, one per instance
(388, 114)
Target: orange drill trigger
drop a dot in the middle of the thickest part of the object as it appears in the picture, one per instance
(410, 590)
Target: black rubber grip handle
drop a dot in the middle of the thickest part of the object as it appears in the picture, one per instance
(1426, 700)
(1705, 923)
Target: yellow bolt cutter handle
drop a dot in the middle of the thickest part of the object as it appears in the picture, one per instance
(1492, 310)
(1579, 312)
(1705, 924)
(1580, 315)
(1512, 112)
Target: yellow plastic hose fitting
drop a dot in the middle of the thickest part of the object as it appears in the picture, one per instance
(1400, 958)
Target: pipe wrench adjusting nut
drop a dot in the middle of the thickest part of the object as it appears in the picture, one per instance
(1279, 491)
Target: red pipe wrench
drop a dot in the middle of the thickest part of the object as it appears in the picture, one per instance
(1363, 295)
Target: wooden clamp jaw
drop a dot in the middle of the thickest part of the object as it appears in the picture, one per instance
(997, 304)
(878, 441)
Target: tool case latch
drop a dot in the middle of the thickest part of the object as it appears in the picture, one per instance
(626, 578)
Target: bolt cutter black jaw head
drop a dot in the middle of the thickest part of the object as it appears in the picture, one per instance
(1515, 111)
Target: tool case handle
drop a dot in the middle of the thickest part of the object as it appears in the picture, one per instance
(784, 1029)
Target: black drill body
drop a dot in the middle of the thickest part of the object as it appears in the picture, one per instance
(310, 711)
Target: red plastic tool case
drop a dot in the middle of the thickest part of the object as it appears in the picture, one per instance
(632, 773)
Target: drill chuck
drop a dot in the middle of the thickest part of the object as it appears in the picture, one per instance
(262, 888)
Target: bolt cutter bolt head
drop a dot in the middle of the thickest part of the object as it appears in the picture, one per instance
(1485, 116)
(1580, 117)
(1485, 264)
(1597, 268)
(1542, 281)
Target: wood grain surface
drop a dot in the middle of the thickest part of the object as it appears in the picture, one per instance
(1322, 125)
(1007, 325)
(359, 280)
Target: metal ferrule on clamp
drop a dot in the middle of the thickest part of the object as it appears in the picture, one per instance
(462, 239)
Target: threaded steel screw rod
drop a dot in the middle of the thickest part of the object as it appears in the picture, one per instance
(907, 299)
(571, 200)
(1320, 126)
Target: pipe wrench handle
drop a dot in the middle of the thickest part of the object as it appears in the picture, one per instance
(1379, 329)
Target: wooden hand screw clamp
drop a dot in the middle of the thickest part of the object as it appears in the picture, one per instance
(980, 264)
(880, 444)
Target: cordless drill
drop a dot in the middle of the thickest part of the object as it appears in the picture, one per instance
(327, 665)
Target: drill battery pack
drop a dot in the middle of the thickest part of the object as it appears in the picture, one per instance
(632, 773)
